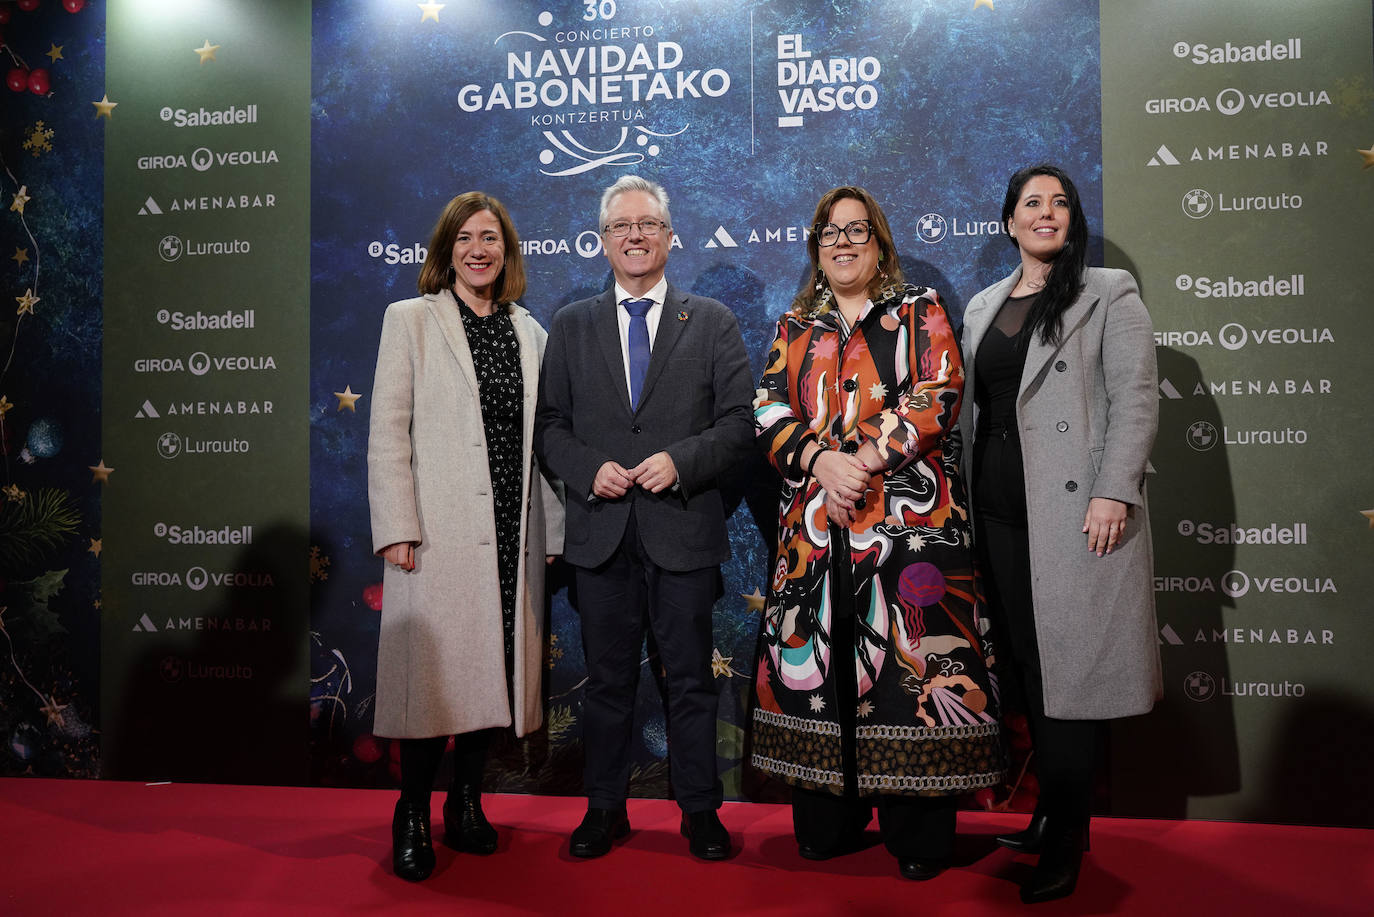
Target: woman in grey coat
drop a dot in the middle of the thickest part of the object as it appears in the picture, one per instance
(1060, 360)
(463, 518)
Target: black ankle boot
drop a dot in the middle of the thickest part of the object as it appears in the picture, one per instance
(412, 854)
(465, 826)
(1061, 856)
(1027, 841)
(1031, 839)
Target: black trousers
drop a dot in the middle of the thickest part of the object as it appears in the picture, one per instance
(614, 600)
(420, 760)
(912, 827)
(1065, 750)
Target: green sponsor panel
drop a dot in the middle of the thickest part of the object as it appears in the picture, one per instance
(1234, 190)
(206, 373)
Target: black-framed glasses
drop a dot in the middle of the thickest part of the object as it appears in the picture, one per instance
(856, 231)
(621, 228)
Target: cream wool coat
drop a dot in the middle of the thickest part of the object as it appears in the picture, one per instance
(440, 657)
(1087, 414)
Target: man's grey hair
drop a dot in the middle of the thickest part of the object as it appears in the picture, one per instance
(633, 183)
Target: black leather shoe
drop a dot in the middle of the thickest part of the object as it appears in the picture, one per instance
(1061, 856)
(706, 836)
(920, 870)
(1027, 841)
(465, 826)
(1030, 840)
(412, 854)
(599, 828)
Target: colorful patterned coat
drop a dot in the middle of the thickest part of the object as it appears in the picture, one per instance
(926, 701)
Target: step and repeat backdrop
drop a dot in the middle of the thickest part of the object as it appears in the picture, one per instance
(272, 175)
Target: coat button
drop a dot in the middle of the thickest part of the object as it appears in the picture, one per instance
(636, 429)
(1062, 426)
(1071, 486)
(850, 385)
(1060, 366)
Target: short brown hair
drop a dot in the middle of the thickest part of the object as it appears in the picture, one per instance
(434, 275)
(890, 273)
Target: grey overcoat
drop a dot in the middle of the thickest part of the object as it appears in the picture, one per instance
(440, 657)
(1087, 414)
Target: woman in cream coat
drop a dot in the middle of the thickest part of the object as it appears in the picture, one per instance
(464, 519)
(1060, 361)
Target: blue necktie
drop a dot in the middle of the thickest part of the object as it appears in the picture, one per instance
(639, 345)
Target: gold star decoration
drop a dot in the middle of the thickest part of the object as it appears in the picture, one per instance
(347, 399)
(13, 493)
(20, 256)
(206, 51)
(53, 711)
(987, 3)
(5, 405)
(1368, 156)
(21, 198)
(26, 302)
(1368, 514)
(104, 108)
(97, 545)
(720, 665)
(100, 473)
(753, 601)
(430, 11)
(55, 53)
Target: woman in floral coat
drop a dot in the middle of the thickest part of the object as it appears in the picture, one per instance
(872, 676)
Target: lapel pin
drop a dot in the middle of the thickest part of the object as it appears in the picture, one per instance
(682, 316)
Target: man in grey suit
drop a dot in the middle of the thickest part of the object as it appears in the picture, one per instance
(644, 404)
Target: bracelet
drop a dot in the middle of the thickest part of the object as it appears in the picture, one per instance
(811, 465)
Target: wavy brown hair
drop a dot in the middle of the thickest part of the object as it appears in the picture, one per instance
(436, 274)
(889, 271)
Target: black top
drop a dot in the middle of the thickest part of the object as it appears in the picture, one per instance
(998, 364)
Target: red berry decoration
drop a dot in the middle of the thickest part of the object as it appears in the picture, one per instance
(17, 79)
(27, 6)
(73, 6)
(372, 596)
(38, 82)
(367, 749)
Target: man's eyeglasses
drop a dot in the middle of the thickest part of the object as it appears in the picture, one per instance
(856, 231)
(621, 228)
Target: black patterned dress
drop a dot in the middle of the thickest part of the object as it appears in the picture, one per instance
(496, 359)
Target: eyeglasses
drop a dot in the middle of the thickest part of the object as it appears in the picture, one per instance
(856, 231)
(621, 228)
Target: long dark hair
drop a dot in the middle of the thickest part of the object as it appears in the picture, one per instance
(1065, 279)
(889, 271)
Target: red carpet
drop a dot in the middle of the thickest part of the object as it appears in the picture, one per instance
(103, 848)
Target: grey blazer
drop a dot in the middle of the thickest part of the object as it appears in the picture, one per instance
(1087, 414)
(695, 404)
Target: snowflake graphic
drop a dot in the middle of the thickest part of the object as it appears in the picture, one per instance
(39, 139)
(318, 563)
